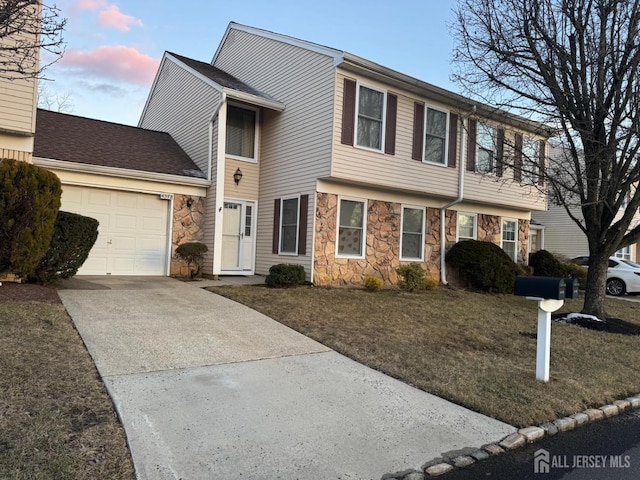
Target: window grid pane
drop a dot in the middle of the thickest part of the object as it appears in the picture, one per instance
(486, 143)
(289, 230)
(370, 113)
(529, 160)
(351, 225)
(412, 227)
(466, 227)
(241, 130)
(509, 231)
(435, 136)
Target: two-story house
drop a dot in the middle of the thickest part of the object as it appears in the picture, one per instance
(322, 158)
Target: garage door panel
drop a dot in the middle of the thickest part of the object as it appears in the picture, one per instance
(132, 234)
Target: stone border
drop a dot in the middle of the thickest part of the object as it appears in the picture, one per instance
(518, 439)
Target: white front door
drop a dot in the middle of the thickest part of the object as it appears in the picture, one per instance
(237, 237)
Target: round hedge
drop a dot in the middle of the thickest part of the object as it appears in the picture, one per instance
(544, 264)
(483, 265)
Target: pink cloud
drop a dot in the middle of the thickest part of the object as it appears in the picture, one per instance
(90, 4)
(113, 17)
(120, 63)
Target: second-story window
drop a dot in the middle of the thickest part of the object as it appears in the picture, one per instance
(435, 136)
(370, 122)
(241, 132)
(486, 143)
(530, 158)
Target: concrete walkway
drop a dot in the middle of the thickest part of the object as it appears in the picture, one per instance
(210, 389)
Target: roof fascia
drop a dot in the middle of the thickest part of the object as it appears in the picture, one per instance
(362, 66)
(313, 47)
(119, 172)
(254, 99)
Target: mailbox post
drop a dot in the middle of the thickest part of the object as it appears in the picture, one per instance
(550, 293)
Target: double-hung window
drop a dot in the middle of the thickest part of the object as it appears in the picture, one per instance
(486, 142)
(351, 228)
(466, 226)
(530, 154)
(412, 241)
(510, 238)
(241, 132)
(624, 253)
(370, 118)
(435, 144)
(290, 208)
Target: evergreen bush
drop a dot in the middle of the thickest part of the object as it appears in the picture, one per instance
(73, 238)
(285, 275)
(29, 204)
(544, 264)
(483, 265)
(413, 277)
(373, 284)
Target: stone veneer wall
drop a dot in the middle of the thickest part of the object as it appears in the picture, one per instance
(382, 255)
(188, 226)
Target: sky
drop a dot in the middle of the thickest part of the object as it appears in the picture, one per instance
(113, 48)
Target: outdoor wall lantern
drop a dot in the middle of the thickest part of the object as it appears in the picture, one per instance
(237, 176)
(189, 202)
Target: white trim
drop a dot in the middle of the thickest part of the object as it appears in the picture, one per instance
(364, 227)
(254, 99)
(243, 213)
(384, 117)
(515, 240)
(256, 136)
(219, 201)
(475, 225)
(119, 172)
(445, 159)
(422, 233)
(169, 250)
(295, 252)
(337, 55)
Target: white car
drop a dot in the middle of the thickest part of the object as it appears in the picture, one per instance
(623, 276)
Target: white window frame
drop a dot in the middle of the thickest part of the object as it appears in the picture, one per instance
(624, 253)
(256, 135)
(364, 227)
(422, 232)
(282, 200)
(475, 226)
(446, 136)
(530, 163)
(384, 117)
(514, 241)
(494, 150)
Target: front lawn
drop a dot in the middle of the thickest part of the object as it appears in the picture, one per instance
(474, 349)
(56, 418)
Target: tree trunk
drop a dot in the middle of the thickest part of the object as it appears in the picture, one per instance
(595, 293)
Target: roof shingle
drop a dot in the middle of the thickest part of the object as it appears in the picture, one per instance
(71, 138)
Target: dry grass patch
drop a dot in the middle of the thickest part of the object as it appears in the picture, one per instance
(56, 418)
(474, 349)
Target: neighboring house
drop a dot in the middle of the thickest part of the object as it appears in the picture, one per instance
(145, 191)
(561, 236)
(18, 99)
(321, 158)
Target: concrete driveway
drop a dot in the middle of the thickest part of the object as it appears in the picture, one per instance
(207, 389)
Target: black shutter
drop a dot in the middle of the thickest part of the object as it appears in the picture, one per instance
(348, 111)
(517, 158)
(471, 146)
(418, 131)
(542, 155)
(302, 225)
(275, 247)
(390, 133)
(500, 153)
(453, 140)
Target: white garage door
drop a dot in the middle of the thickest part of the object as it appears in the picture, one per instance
(132, 238)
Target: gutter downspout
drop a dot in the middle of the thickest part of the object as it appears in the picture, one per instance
(443, 209)
(219, 182)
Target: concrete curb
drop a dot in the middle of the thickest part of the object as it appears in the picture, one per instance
(518, 439)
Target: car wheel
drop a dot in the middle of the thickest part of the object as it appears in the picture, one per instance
(616, 287)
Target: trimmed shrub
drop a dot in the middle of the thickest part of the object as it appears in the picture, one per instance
(29, 204)
(483, 265)
(544, 264)
(413, 277)
(373, 284)
(73, 238)
(193, 254)
(285, 275)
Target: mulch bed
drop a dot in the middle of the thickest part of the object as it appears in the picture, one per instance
(610, 325)
(27, 292)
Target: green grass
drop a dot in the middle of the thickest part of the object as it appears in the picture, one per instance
(56, 418)
(474, 349)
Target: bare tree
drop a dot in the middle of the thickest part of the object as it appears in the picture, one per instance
(27, 28)
(52, 100)
(574, 64)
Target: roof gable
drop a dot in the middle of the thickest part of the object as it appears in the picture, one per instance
(76, 139)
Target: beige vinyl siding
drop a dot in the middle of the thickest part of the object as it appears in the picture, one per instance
(561, 234)
(17, 105)
(248, 186)
(15, 155)
(181, 104)
(400, 171)
(296, 143)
